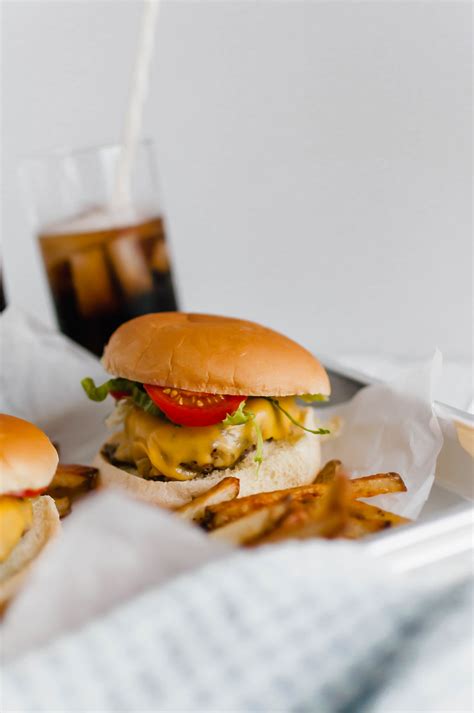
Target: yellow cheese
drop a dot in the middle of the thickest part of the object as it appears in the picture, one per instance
(178, 451)
(16, 516)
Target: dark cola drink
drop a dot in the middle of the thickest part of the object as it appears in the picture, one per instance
(103, 270)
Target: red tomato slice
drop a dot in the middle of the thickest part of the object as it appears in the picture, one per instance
(27, 493)
(189, 408)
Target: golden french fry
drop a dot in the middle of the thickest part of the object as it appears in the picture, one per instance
(301, 513)
(367, 486)
(378, 484)
(328, 526)
(370, 512)
(324, 516)
(222, 514)
(226, 490)
(72, 479)
(72, 476)
(250, 526)
(63, 506)
(357, 527)
(321, 509)
(328, 472)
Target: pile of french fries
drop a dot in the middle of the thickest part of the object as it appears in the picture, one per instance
(329, 507)
(69, 483)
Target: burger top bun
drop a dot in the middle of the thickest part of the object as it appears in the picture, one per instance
(206, 353)
(28, 459)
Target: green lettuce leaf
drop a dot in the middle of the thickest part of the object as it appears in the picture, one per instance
(240, 416)
(310, 398)
(317, 431)
(136, 393)
(100, 393)
(259, 447)
(141, 399)
(243, 415)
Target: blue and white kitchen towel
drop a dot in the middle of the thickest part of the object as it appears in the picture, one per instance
(307, 626)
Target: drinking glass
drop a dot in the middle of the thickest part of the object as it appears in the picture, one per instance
(106, 260)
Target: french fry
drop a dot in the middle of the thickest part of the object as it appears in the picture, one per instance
(326, 508)
(368, 486)
(370, 512)
(72, 480)
(220, 515)
(301, 513)
(227, 489)
(325, 516)
(63, 506)
(357, 527)
(378, 484)
(250, 526)
(327, 527)
(328, 472)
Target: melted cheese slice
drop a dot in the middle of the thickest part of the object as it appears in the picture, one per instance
(178, 451)
(16, 516)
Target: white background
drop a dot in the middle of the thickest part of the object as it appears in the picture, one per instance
(315, 157)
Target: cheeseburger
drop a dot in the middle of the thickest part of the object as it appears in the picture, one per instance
(28, 519)
(200, 397)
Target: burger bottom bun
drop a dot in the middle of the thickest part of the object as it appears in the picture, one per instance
(285, 465)
(15, 568)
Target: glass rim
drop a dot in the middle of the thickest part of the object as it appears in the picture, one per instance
(60, 153)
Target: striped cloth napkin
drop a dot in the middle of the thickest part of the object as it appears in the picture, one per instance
(305, 626)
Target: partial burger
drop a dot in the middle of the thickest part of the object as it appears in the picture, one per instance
(200, 398)
(28, 519)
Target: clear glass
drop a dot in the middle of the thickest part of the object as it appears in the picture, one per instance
(105, 262)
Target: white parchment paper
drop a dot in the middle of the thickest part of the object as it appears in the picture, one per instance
(111, 547)
(40, 374)
(392, 427)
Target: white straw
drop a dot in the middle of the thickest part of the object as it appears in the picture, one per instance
(133, 120)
